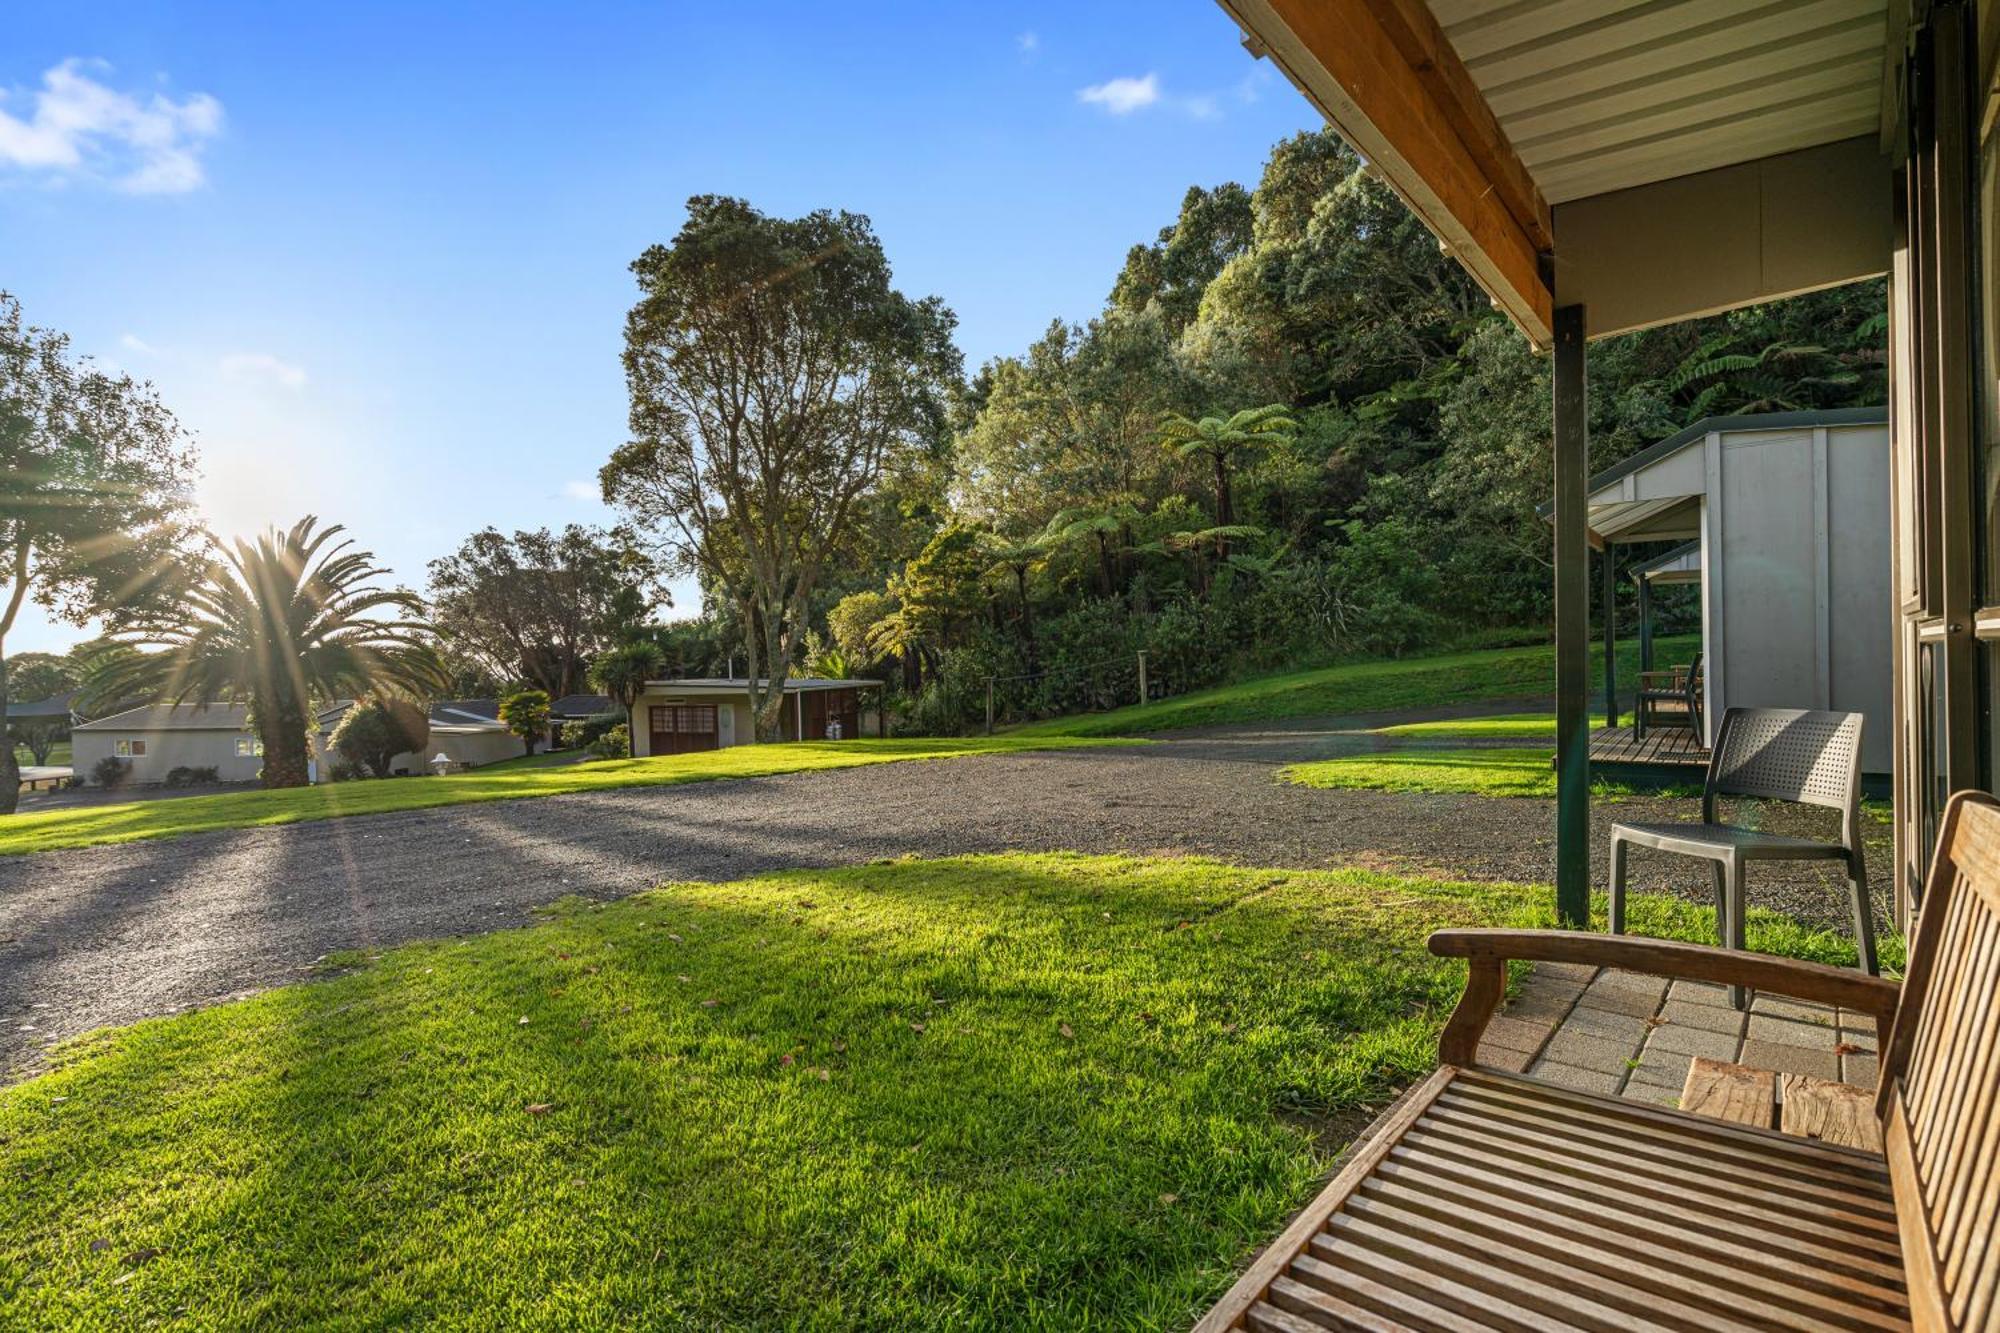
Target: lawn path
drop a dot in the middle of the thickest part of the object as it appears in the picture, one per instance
(109, 934)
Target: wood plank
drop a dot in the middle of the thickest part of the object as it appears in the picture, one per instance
(1724, 1091)
(1842, 987)
(1818, 1108)
(1340, 55)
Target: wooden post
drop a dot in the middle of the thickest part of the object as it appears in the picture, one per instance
(799, 713)
(1572, 579)
(1610, 635)
(989, 705)
(1142, 678)
(1645, 624)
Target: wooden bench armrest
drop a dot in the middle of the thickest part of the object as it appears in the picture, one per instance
(1489, 951)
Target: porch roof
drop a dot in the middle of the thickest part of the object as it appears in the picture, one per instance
(1680, 565)
(1649, 162)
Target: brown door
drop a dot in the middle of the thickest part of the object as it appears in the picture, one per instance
(680, 728)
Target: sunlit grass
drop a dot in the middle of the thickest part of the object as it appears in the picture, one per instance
(1503, 726)
(164, 818)
(995, 1092)
(1490, 771)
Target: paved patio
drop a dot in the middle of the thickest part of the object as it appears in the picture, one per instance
(1621, 1033)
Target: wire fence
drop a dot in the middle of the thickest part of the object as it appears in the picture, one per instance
(1083, 687)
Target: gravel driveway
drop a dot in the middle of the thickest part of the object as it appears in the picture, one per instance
(110, 934)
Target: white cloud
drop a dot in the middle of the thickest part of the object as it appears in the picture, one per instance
(263, 366)
(582, 490)
(1123, 96)
(1028, 43)
(79, 127)
(132, 342)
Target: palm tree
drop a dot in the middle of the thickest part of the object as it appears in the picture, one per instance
(624, 672)
(1220, 440)
(1019, 558)
(284, 624)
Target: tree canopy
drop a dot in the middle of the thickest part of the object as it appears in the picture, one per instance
(775, 375)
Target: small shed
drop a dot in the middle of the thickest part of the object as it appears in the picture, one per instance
(713, 713)
(1782, 519)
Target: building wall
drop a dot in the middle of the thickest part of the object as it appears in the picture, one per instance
(1796, 549)
(166, 750)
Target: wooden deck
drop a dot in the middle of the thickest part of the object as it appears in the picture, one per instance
(1673, 747)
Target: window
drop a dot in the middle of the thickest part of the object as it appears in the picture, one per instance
(248, 747)
(131, 749)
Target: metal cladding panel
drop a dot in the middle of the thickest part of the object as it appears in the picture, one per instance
(1601, 95)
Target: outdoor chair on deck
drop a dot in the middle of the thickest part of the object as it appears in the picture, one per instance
(1670, 698)
(1783, 754)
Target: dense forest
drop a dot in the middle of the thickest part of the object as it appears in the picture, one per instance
(1114, 487)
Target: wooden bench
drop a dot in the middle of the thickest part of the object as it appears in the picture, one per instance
(1490, 1200)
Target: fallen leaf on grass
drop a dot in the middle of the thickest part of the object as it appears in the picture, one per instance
(839, 1046)
(710, 1004)
(1170, 1199)
(538, 1108)
(524, 1021)
(825, 1075)
(916, 1027)
(100, 1245)
(785, 1059)
(1067, 1030)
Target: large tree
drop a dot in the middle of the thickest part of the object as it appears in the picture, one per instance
(94, 501)
(538, 606)
(284, 624)
(774, 372)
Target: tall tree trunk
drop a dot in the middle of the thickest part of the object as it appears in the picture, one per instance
(10, 767)
(1225, 512)
(1027, 620)
(282, 729)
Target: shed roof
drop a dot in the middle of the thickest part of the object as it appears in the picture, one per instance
(174, 717)
(1680, 565)
(582, 705)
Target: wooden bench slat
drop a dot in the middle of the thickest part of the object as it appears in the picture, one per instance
(1326, 1309)
(1382, 1301)
(1592, 1219)
(1733, 1141)
(1767, 1177)
(1781, 1227)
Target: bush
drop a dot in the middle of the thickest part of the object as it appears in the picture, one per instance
(111, 771)
(613, 744)
(579, 735)
(526, 713)
(374, 731)
(340, 770)
(180, 775)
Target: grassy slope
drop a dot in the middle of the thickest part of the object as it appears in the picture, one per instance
(1356, 687)
(1128, 1074)
(128, 821)
(1502, 726)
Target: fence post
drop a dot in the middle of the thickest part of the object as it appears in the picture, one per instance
(989, 705)
(1143, 696)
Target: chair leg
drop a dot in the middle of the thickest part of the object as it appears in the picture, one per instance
(1721, 873)
(1738, 996)
(1618, 849)
(1864, 919)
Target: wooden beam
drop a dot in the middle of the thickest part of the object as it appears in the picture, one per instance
(1382, 77)
(1422, 43)
(1572, 578)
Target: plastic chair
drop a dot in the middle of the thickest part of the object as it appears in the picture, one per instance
(1784, 754)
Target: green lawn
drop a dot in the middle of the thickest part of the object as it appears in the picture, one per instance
(1000, 1092)
(1501, 726)
(1488, 771)
(1356, 687)
(164, 818)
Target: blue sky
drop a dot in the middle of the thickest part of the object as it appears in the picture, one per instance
(375, 255)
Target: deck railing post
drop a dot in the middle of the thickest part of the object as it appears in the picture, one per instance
(1645, 625)
(1610, 635)
(989, 705)
(1572, 580)
(1142, 678)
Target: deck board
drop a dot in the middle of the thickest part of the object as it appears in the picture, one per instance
(1674, 746)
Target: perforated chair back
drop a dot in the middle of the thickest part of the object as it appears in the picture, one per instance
(1788, 754)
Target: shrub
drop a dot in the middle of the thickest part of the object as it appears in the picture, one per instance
(341, 770)
(111, 771)
(526, 714)
(181, 775)
(591, 728)
(374, 731)
(613, 744)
